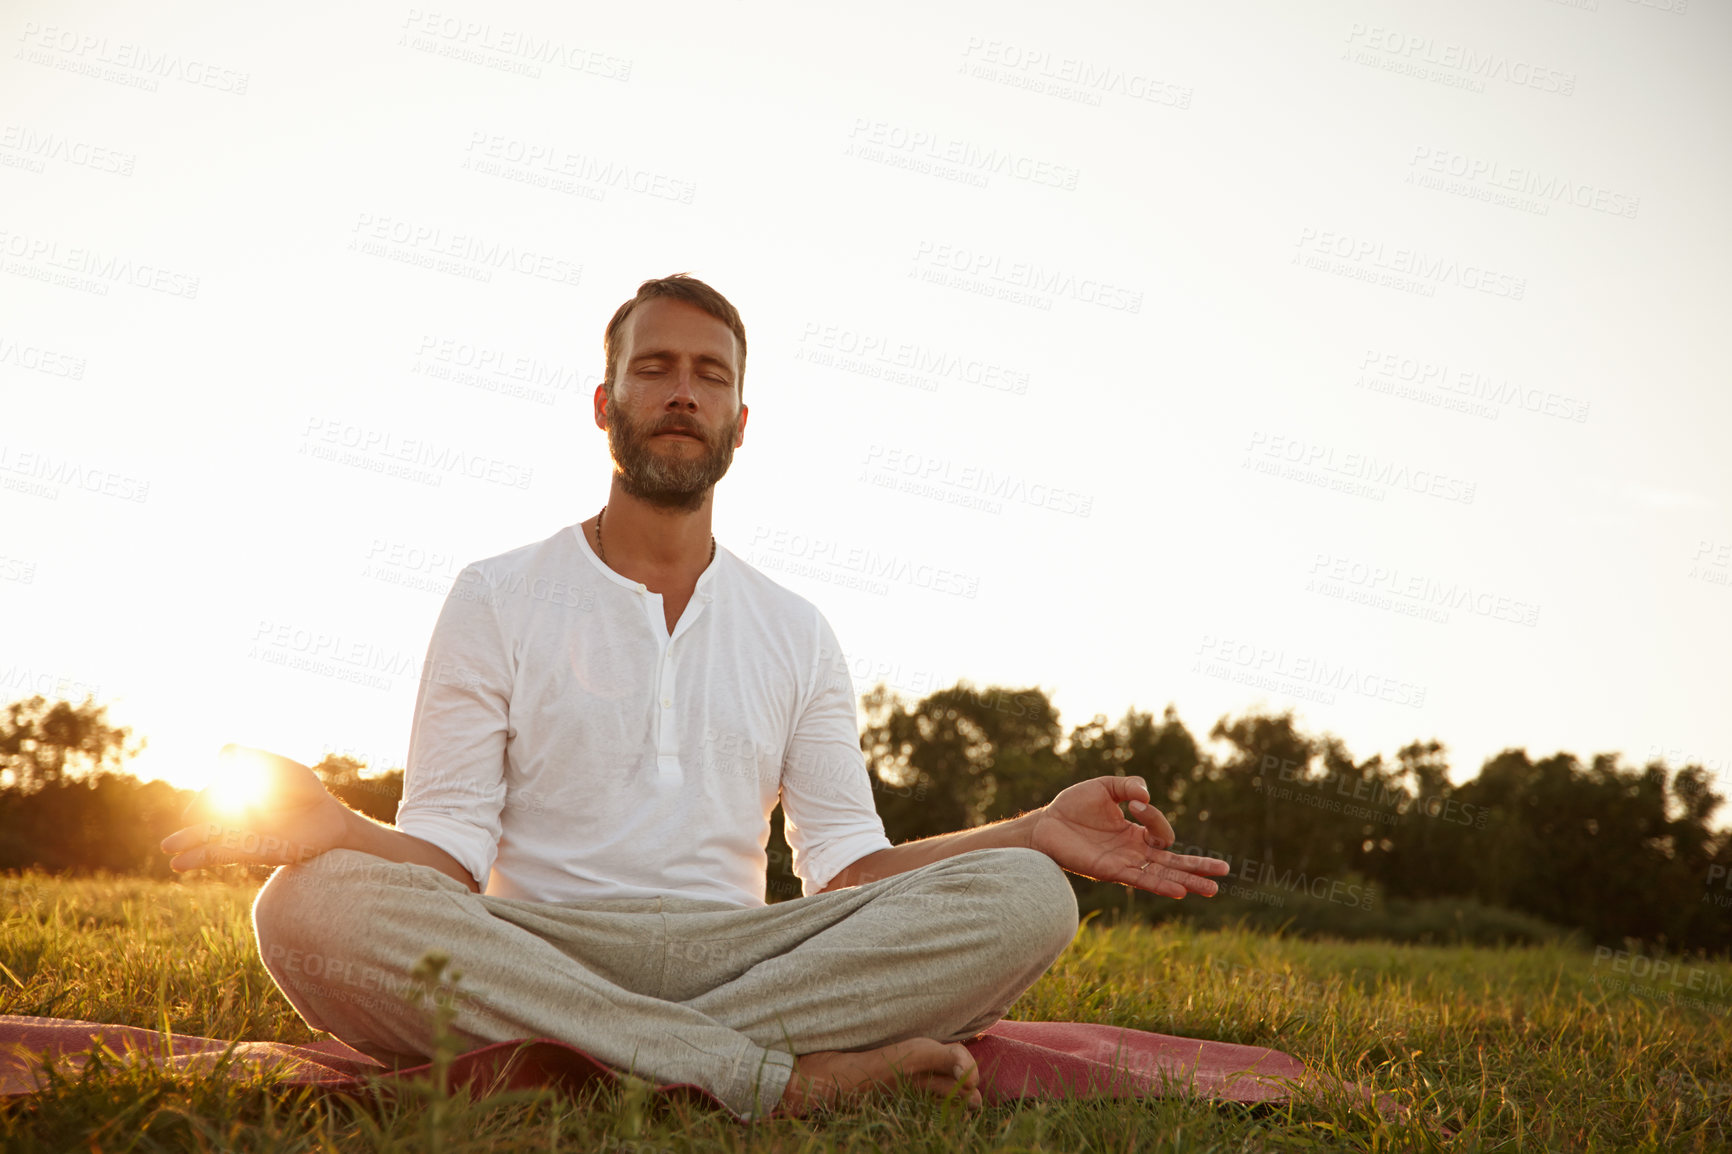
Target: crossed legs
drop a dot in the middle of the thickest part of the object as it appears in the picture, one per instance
(679, 989)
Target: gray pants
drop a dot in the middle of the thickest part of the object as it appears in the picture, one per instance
(673, 989)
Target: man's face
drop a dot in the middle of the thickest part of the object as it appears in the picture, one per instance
(675, 417)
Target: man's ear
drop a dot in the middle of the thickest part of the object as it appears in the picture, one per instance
(740, 437)
(601, 406)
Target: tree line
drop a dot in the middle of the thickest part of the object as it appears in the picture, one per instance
(1317, 838)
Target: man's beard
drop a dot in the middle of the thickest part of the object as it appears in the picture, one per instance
(673, 482)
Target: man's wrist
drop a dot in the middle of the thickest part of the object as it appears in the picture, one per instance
(1026, 823)
(354, 830)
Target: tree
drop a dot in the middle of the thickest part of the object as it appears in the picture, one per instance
(1163, 753)
(375, 796)
(961, 757)
(1431, 849)
(1619, 852)
(1242, 805)
(44, 742)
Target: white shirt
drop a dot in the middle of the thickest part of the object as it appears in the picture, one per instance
(565, 747)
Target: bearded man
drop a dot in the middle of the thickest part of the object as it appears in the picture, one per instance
(606, 721)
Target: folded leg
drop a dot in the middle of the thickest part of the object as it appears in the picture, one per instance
(341, 934)
(937, 952)
(675, 989)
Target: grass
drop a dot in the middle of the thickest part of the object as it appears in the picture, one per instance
(1521, 1048)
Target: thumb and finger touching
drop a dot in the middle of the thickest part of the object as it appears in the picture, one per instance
(1134, 791)
(259, 809)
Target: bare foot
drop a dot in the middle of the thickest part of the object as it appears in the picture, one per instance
(830, 1077)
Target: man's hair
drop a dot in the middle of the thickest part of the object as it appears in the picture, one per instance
(681, 287)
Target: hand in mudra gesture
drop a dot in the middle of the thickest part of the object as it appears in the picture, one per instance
(267, 810)
(1084, 830)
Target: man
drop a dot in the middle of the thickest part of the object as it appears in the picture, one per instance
(605, 723)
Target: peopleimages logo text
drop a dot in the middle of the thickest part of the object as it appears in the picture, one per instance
(1027, 275)
(1412, 262)
(1473, 62)
(385, 446)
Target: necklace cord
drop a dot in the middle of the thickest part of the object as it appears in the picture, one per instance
(602, 552)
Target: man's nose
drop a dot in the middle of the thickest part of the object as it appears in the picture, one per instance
(685, 391)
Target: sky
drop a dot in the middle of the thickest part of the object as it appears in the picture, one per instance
(1351, 358)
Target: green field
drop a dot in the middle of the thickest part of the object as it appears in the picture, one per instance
(1536, 1048)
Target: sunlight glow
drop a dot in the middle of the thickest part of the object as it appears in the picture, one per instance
(242, 780)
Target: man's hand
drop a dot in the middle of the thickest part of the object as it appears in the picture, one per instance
(1084, 830)
(292, 819)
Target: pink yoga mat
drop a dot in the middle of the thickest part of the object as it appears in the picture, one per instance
(1017, 1060)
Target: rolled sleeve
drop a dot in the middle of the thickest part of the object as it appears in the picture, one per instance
(831, 821)
(454, 784)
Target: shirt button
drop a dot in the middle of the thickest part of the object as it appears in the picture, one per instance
(667, 703)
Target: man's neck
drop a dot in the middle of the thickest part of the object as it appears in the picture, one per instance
(643, 541)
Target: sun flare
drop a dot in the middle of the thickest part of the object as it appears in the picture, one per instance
(241, 782)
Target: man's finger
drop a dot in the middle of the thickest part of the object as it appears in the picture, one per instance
(1145, 875)
(1175, 875)
(1176, 884)
(1155, 881)
(1155, 822)
(1197, 865)
(1198, 884)
(1123, 789)
(209, 857)
(202, 807)
(185, 839)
